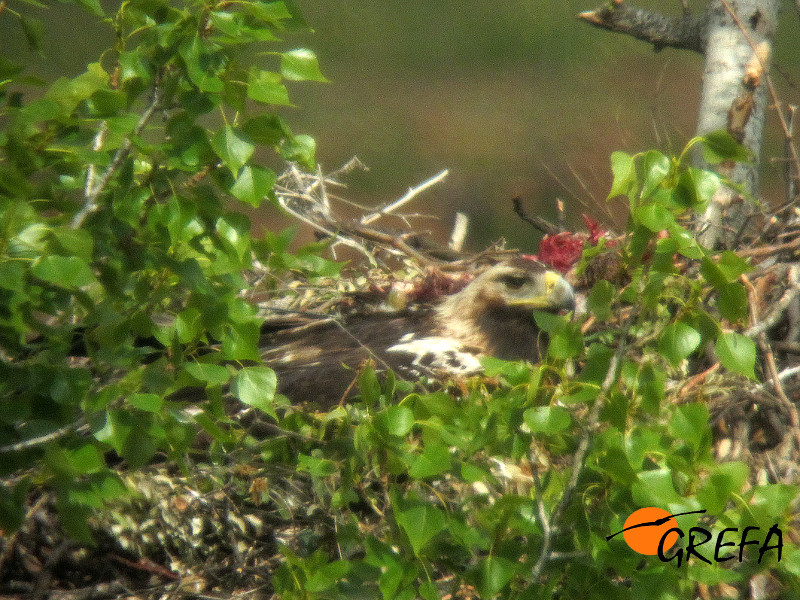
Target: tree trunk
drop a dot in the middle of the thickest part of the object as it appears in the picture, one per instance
(735, 36)
(739, 39)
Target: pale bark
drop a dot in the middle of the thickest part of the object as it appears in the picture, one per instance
(732, 35)
(740, 33)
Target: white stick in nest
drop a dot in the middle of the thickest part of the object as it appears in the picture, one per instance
(409, 195)
(459, 232)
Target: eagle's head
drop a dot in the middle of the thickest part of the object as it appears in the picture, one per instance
(519, 285)
(494, 313)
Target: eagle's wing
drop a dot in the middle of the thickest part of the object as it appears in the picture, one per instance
(317, 360)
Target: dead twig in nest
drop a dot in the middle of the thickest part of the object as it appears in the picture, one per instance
(407, 197)
(306, 197)
(770, 364)
(535, 221)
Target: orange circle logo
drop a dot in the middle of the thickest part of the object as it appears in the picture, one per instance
(645, 527)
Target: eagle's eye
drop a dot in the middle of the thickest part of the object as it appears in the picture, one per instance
(514, 281)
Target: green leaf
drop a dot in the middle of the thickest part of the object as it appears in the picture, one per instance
(396, 420)
(733, 302)
(549, 420)
(266, 87)
(256, 386)
(655, 166)
(300, 65)
(74, 242)
(253, 184)
(678, 341)
(133, 435)
(776, 498)
(495, 573)
(434, 460)
(623, 167)
(737, 353)
(266, 129)
(202, 64)
(108, 103)
(69, 92)
(368, 384)
(651, 385)
(327, 576)
(316, 466)
(428, 591)
(421, 524)
(300, 149)
(515, 372)
(687, 243)
(471, 473)
(233, 148)
(689, 423)
(655, 488)
(695, 188)
(720, 145)
(146, 402)
(34, 33)
(210, 374)
(234, 229)
(614, 463)
(84, 460)
(566, 339)
(69, 272)
(271, 13)
(655, 217)
(93, 6)
(132, 66)
(599, 300)
(732, 266)
(188, 325)
(725, 480)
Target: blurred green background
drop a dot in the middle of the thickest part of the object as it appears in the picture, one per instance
(515, 98)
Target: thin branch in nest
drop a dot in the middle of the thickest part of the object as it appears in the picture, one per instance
(351, 165)
(696, 380)
(407, 197)
(791, 173)
(305, 197)
(459, 235)
(771, 365)
(763, 252)
(328, 232)
(534, 221)
(779, 308)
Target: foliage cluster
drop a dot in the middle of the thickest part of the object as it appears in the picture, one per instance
(122, 264)
(121, 254)
(511, 487)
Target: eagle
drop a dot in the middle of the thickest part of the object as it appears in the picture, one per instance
(318, 359)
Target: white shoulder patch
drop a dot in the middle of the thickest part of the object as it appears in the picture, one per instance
(431, 355)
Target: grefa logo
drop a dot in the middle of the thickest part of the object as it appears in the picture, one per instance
(654, 531)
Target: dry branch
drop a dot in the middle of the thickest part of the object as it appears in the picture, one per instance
(687, 32)
(407, 197)
(93, 189)
(305, 196)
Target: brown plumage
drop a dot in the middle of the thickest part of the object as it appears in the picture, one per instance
(491, 316)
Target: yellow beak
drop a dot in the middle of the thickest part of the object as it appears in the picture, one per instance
(558, 294)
